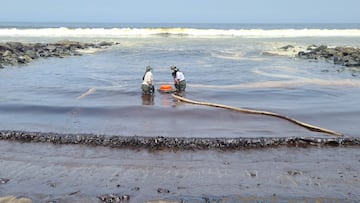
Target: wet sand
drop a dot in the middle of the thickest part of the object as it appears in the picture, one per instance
(46, 172)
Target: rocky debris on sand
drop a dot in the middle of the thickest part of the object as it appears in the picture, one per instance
(135, 189)
(4, 180)
(345, 56)
(176, 143)
(294, 172)
(239, 198)
(15, 53)
(163, 190)
(113, 198)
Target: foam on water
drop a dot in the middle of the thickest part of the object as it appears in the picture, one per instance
(183, 32)
(285, 84)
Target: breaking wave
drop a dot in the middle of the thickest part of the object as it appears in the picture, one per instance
(167, 32)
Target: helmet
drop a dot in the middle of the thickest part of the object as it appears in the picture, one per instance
(148, 68)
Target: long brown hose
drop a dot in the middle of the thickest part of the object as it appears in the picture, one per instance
(251, 111)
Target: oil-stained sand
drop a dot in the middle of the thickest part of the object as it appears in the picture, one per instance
(76, 173)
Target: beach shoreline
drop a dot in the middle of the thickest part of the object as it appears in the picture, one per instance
(44, 172)
(177, 143)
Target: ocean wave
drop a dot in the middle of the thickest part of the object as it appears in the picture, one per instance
(182, 32)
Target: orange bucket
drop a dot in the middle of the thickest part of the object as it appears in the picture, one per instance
(165, 88)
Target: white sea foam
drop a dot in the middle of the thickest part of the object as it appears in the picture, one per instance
(290, 52)
(228, 55)
(189, 32)
(284, 84)
(279, 75)
(88, 51)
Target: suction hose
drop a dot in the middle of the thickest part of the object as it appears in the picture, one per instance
(267, 113)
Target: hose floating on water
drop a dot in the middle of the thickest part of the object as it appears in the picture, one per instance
(267, 113)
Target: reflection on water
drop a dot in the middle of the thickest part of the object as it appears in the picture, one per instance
(166, 99)
(147, 99)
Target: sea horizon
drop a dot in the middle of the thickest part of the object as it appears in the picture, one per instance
(270, 25)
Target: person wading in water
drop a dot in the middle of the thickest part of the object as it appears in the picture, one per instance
(148, 82)
(179, 79)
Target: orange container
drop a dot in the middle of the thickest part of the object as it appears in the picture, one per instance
(165, 88)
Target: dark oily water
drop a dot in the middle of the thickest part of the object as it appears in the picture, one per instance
(100, 92)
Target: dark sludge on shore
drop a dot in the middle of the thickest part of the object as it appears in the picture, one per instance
(175, 143)
(117, 198)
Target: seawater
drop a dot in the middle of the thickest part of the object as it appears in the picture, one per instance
(236, 65)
